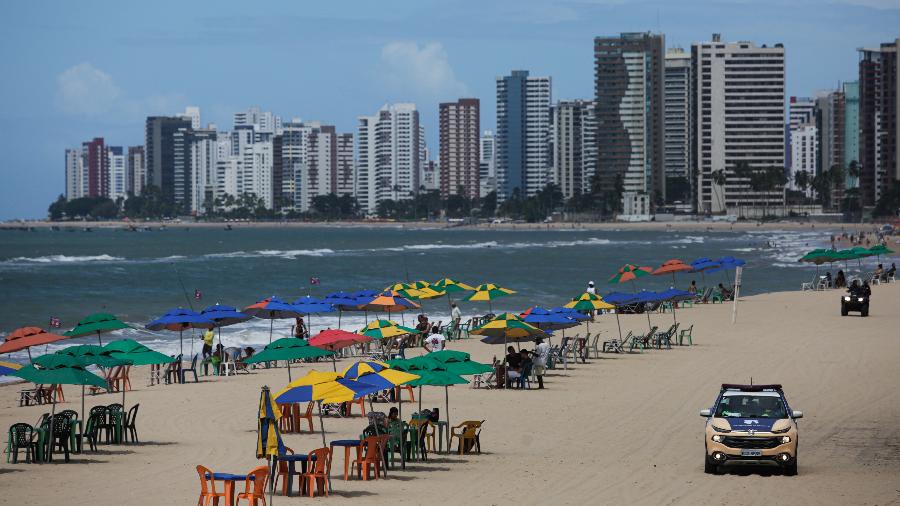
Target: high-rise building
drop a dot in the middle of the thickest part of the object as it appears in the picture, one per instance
(830, 124)
(677, 128)
(256, 170)
(96, 163)
(738, 118)
(523, 127)
(192, 113)
(135, 170)
(346, 166)
(320, 169)
(76, 177)
(802, 111)
(851, 129)
(430, 178)
(264, 122)
(573, 146)
(391, 154)
(118, 174)
(159, 149)
(804, 152)
(487, 168)
(629, 73)
(203, 167)
(458, 160)
(879, 99)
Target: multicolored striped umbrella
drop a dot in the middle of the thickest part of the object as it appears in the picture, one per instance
(272, 308)
(9, 367)
(389, 301)
(381, 329)
(268, 437)
(488, 292)
(503, 331)
(630, 272)
(451, 286)
(362, 368)
(588, 302)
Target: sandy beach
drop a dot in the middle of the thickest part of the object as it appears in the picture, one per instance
(620, 430)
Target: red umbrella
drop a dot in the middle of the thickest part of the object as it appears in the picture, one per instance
(671, 267)
(26, 337)
(335, 339)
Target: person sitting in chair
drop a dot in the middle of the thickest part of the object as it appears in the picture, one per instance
(726, 293)
(513, 366)
(527, 366)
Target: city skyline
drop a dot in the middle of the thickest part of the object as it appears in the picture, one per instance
(79, 75)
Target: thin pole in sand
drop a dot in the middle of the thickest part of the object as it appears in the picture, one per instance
(402, 434)
(447, 407)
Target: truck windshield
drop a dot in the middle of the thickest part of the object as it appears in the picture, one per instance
(750, 406)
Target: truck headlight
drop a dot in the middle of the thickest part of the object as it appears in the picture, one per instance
(717, 438)
(847, 299)
(860, 299)
(785, 439)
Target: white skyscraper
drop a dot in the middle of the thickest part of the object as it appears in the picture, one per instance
(192, 113)
(75, 174)
(204, 163)
(677, 127)
(391, 154)
(523, 126)
(265, 122)
(487, 168)
(117, 173)
(804, 151)
(256, 172)
(573, 146)
(739, 96)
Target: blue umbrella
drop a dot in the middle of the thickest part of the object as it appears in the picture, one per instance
(362, 297)
(704, 264)
(620, 299)
(223, 316)
(309, 305)
(343, 301)
(726, 263)
(180, 319)
(674, 296)
(570, 313)
(544, 319)
(272, 308)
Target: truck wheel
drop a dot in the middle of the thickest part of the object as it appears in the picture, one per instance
(791, 469)
(843, 310)
(709, 467)
(864, 311)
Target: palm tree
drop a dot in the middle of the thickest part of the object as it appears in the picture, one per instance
(719, 178)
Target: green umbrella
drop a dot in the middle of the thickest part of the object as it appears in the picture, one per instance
(287, 349)
(136, 353)
(880, 249)
(92, 354)
(97, 323)
(60, 370)
(459, 363)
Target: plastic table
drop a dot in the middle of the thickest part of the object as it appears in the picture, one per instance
(230, 480)
(347, 444)
(291, 462)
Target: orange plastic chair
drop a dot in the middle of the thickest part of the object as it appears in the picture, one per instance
(286, 423)
(318, 471)
(469, 435)
(362, 405)
(308, 416)
(371, 459)
(409, 390)
(255, 487)
(283, 471)
(208, 494)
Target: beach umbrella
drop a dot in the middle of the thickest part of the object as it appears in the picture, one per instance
(355, 370)
(574, 314)
(503, 331)
(224, 316)
(327, 387)
(488, 292)
(59, 370)
(619, 299)
(589, 302)
(434, 373)
(335, 339)
(389, 301)
(361, 297)
(268, 437)
(703, 264)
(136, 352)
(671, 267)
(880, 249)
(90, 354)
(24, 338)
(8, 367)
(343, 301)
(179, 319)
(97, 323)
(547, 320)
(630, 272)
(460, 363)
(381, 329)
(272, 308)
(287, 349)
(450, 286)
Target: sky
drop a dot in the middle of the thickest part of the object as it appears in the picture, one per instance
(77, 70)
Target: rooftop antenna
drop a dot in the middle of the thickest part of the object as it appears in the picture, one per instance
(751, 381)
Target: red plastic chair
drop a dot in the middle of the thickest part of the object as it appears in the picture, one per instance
(286, 424)
(282, 473)
(371, 459)
(255, 487)
(318, 471)
(208, 494)
(308, 416)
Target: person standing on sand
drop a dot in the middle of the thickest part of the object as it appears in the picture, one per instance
(591, 289)
(455, 317)
(693, 288)
(434, 343)
(541, 354)
(299, 329)
(208, 337)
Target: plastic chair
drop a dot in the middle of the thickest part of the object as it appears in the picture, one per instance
(115, 422)
(92, 429)
(208, 494)
(371, 458)
(469, 435)
(308, 416)
(283, 471)
(62, 433)
(362, 406)
(21, 437)
(286, 423)
(318, 465)
(172, 373)
(192, 369)
(255, 487)
(130, 429)
(686, 333)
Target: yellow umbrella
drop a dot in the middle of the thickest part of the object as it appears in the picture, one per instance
(488, 292)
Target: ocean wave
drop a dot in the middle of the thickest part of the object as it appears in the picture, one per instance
(286, 254)
(63, 259)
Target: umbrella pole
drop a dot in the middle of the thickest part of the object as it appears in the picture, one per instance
(82, 405)
(29, 354)
(289, 370)
(447, 407)
(50, 439)
(618, 324)
(649, 325)
(181, 343)
(420, 398)
(99, 340)
(340, 313)
(402, 434)
(333, 363)
(322, 425)
(271, 324)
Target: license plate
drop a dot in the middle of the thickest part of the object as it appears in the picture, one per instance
(751, 453)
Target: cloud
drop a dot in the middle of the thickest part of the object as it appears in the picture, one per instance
(85, 90)
(423, 71)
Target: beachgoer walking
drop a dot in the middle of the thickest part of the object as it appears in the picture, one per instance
(208, 337)
(541, 354)
(591, 289)
(455, 317)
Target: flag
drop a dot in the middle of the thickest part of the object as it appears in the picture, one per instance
(197, 294)
(315, 281)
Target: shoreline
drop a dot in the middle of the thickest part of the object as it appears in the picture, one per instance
(652, 226)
